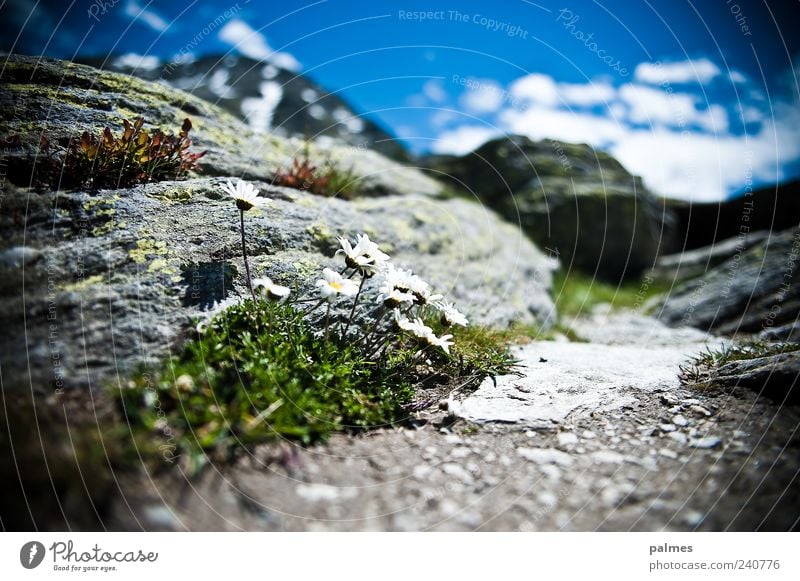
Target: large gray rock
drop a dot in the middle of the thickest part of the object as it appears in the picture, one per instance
(774, 376)
(672, 268)
(571, 199)
(60, 100)
(754, 290)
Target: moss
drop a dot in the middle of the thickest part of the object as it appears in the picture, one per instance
(576, 293)
(256, 373)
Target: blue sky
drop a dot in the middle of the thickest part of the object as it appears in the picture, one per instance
(698, 98)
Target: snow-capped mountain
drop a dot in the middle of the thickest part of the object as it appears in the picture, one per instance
(268, 97)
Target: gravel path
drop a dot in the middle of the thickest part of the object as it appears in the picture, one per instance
(594, 436)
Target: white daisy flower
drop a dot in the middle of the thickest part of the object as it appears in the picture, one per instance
(244, 194)
(270, 289)
(365, 256)
(395, 298)
(405, 281)
(444, 342)
(332, 284)
(451, 315)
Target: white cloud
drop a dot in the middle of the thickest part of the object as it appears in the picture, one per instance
(253, 44)
(655, 106)
(464, 139)
(540, 122)
(434, 90)
(535, 88)
(689, 71)
(586, 94)
(482, 96)
(737, 77)
(681, 146)
(146, 16)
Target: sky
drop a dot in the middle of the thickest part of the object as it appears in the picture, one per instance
(699, 98)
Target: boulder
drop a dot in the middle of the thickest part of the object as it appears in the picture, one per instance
(772, 208)
(579, 203)
(671, 268)
(59, 100)
(96, 283)
(751, 292)
(774, 376)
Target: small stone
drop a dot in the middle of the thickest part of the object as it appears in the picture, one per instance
(693, 518)
(679, 420)
(669, 399)
(739, 434)
(567, 439)
(588, 435)
(551, 472)
(546, 456)
(678, 437)
(421, 471)
(700, 410)
(691, 401)
(457, 471)
(460, 452)
(444, 404)
(707, 442)
(667, 427)
(19, 256)
(667, 453)
(675, 409)
(453, 439)
(608, 457)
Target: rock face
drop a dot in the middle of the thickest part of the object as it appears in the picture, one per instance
(100, 282)
(267, 97)
(754, 290)
(775, 376)
(564, 381)
(571, 199)
(60, 100)
(702, 224)
(681, 266)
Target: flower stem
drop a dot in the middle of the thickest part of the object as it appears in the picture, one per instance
(353, 310)
(327, 321)
(244, 256)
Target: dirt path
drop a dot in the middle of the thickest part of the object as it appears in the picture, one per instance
(594, 436)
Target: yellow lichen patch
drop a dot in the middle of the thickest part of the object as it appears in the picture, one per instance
(147, 248)
(83, 283)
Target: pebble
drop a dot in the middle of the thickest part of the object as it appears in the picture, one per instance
(317, 492)
(18, 256)
(546, 456)
(457, 471)
(679, 420)
(693, 518)
(691, 402)
(667, 453)
(678, 437)
(551, 472)
(608, 457)
(421, 471)
(567, 439)
(707, 442)
(588, 435)
(700, 410)
(667, 427)
(460, 452)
